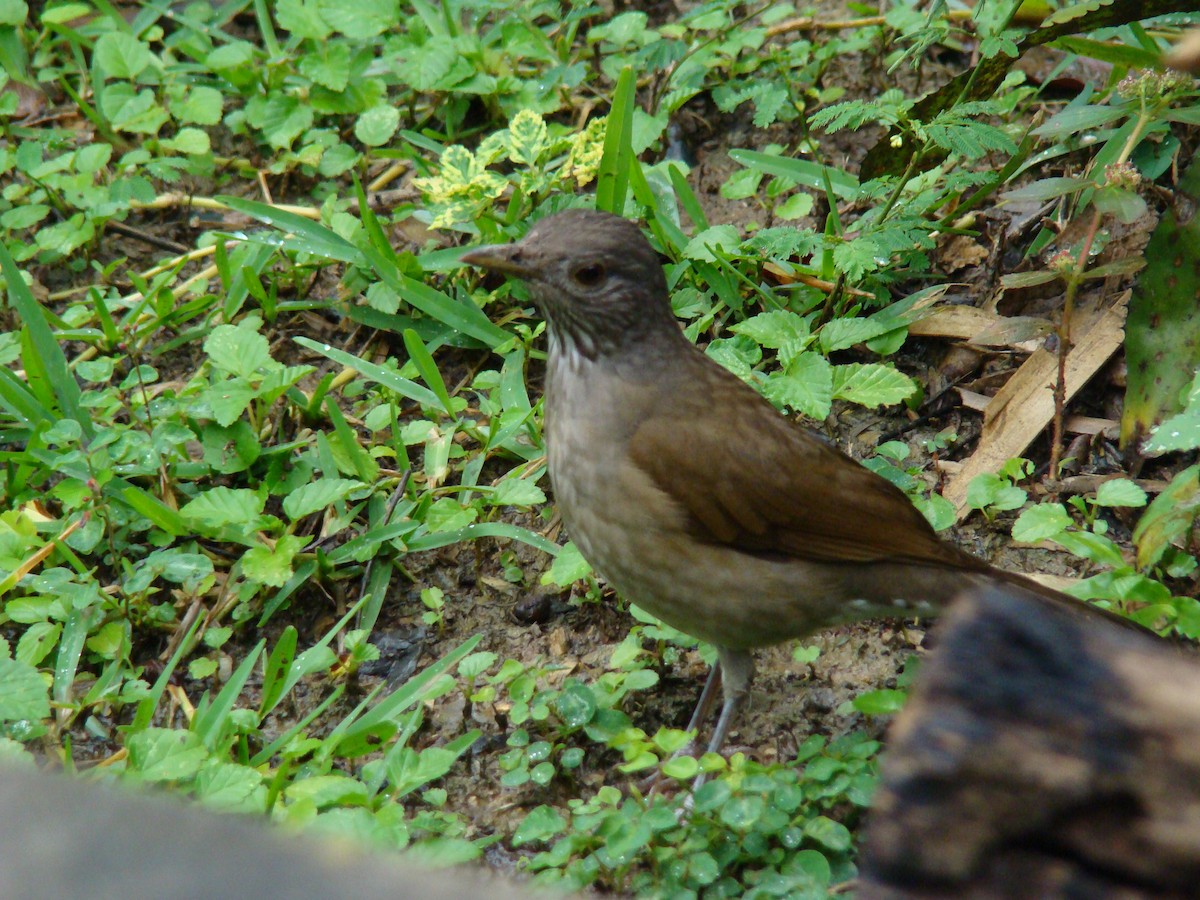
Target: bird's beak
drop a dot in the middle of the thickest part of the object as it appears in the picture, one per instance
(504, 258)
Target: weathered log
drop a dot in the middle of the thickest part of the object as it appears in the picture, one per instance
(61, 838)
(1047, 751)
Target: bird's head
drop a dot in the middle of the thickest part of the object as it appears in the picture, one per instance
(593, 275)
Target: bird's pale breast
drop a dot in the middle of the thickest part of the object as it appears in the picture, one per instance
(636, 536)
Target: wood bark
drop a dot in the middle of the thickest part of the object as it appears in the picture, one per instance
(1047, 751)
(63, 838)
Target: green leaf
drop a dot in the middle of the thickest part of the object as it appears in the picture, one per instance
(1118, 54)
(423, 360)
(828, 833)
(1075, 119)
(1120, 492)
(447, 514)
(411, 692)
(1126, 206)
(238, 349)
(872, 384)
(272, 566)
(612, 178)
(1180, 432)
(220, 506)
(780, 329)
(409, 770)
(568, 567)
(796, 206)
(575, 705)
(229, 399)
(36, 642)
(375, 126)
(806, 386)
(49, 355)
(516, 492)
(329, 66)
(528, 138)
(541, 824)
(742, 813)
(121, 55)
(231, 788)
(165, 754)
(200, 106)
(988, 491)
(302, 234)
(721, 237)
(1041, 522)
(801, 171)
(324, 791)
(881, 702)
(24, 695)
(683, 768)
(839, 334)
(315, 496)
(1169, 516)
(389, 378)
(1046, 189)
(303, 19)
(1095, 547)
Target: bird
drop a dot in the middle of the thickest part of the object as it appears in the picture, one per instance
(688, 491)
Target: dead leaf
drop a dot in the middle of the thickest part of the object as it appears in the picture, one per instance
(1025, 405)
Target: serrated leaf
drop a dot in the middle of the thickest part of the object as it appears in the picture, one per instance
(220, 506)
(1120, 492)
(780, 330)
(201, 106)
(231, 788)
(314, 496)
(376, 125)
(328, 790)
(1041, 522)
(24, 695)
(272, 566)
(447, 514)
(121, 55)
(302, 18)
(328, 65)
(428, 64)
(516, 492)
(527, 138)
(568, 567)
(720, 237)
(237, 349)
(796, 206)
(840, 334)
(872, 384)
(806, 386)
(166, 754)
(229, 399)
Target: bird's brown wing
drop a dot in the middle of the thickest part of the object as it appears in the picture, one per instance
(761, 484)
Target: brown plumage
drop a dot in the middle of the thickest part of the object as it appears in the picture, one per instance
(687, 490)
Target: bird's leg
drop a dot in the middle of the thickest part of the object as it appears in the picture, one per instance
(704, 704)
(737, 671)
(649, 785)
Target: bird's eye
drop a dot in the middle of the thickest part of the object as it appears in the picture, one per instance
(590, 275)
